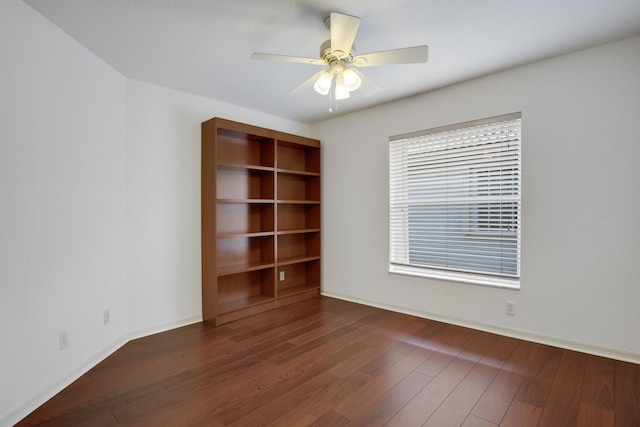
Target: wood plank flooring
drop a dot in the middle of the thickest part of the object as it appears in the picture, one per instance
(326, 362)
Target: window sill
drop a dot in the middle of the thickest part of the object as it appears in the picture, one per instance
(496, 282)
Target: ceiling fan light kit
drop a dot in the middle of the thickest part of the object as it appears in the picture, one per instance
(338, 53)
(346, 81)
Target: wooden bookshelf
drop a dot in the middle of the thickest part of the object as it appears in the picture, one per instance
(260, 220)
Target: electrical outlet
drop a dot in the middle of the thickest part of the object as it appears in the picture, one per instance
(64, 340)
(282, 275)
(510, 308)
(106, 316)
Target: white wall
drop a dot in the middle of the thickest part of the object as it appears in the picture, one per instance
(163, 201)
(580, 282)
(62, 209)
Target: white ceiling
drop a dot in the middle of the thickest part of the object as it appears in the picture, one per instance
(203, 47)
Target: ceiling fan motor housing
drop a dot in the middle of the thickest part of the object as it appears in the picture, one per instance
(331, 57)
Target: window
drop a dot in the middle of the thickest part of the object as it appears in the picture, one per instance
(454, 201)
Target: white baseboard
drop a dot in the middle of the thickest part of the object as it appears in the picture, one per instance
(611, 353)
(15, 416)
(165, 327)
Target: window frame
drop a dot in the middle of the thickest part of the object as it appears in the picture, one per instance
(400, 235)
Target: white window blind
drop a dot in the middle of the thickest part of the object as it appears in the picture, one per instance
(455, 202)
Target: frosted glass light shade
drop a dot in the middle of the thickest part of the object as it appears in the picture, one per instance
(351, 79)
(323, 84)
(342, 91)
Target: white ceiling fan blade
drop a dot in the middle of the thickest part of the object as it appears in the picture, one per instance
(407, 55)
(286, 58)
(307, 84)
(368, 86)
(343, 32)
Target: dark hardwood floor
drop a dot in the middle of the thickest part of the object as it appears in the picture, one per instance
(326, 362)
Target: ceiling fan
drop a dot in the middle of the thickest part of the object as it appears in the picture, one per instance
(338, 53)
